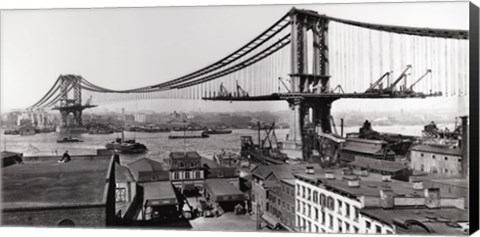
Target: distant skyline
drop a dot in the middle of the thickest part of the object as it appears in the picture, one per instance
(131, 47)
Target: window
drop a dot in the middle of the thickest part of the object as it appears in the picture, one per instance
(421, 154)
(446, 171)
(316, 213)
(66, 222)
(298, 205)
(347, 210)
(389, 232)
(422, 167)
(368, 224)
(433, 156)
(182, 165)
(187, 175)
(357, 214)
(316, 229)
(288, 191)
(278, 202)
(176, 175)
(309, 194)
(192, 164)
(330, 219)
(339, 202)
(309, 226)
(309, 210)
(303, 208)
(198, 174)
(315, 196)
(304, 226)
(283, 188)
(355, 229)
(121, 195)
(378, 229)
(347, 227)
(298, 190)
(322, 199)
(340, 226)
(446, 158)
(220, 174)
(323, 218)
(303, 191)
(331, 203)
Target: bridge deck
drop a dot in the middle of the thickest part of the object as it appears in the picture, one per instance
(287, 96)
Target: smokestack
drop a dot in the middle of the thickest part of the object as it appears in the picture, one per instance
(464, 146)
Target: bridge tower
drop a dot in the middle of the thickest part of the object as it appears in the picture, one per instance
(73, 105)
(308, 112)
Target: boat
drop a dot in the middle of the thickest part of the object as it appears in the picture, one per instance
(69, 140)
(188, 134)
(126, 146)
(218, 131)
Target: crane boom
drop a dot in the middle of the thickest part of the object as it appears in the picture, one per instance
(377, 82)
(419, 79)
(404, 73)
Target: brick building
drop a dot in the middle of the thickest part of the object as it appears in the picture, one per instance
(42, 192)
(442, 160)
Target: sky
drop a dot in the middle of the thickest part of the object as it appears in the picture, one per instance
(126, 48)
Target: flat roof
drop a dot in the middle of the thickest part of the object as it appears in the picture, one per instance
(376, 164)
(221, 187)
(42, 182)
(159, 193)
(363, 140)
(184, 155)
(369, 185)
(432, 218)
(438, 150)
(462, 183)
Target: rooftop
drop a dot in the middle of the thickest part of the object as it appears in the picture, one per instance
(283, 171)
(369, 185)
(159, 193)
(184, 155)
(434, 219)
(42, 182)
(5, 154)
(361, 148)
(383, 165)
(222, 187)
(123, 174)
(143, 168)
(367, 141)
(438, 150)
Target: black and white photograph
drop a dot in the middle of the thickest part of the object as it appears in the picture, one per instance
(311, 118)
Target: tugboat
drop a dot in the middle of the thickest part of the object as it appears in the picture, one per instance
(69, 140)
(126, 146)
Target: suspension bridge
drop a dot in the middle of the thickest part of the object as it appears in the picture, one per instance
(308, 60)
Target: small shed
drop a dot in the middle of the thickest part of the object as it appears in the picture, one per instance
(224, 193)
(160, 201)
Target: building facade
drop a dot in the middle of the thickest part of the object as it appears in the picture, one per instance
(436, 159)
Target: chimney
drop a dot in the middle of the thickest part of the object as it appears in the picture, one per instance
(329, 175)
(310, 170)
(354, 182)
(464, 147)
(417, 184)
(432, 197)
(386, 178)
(386, 198)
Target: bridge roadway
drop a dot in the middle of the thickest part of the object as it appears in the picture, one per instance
(327, 96)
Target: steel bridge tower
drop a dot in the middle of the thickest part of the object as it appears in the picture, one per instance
(308, 111)
(72, 106)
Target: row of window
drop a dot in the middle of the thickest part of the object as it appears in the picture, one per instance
(184, 164)
(446, 158)
(187, 174)
(289, 191)
(343, 227)
(328, 202)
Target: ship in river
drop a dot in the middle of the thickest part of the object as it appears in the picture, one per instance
(69, 140)
(218, 131)
(188, 134)
(130, 146)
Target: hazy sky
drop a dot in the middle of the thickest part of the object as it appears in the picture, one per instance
(131, 47)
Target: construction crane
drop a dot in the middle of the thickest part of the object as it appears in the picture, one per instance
(403, 75)
(240, 91)
(223, 91)
(378, 83)
(419, 79)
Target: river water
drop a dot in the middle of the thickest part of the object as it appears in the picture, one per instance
(158, 143)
